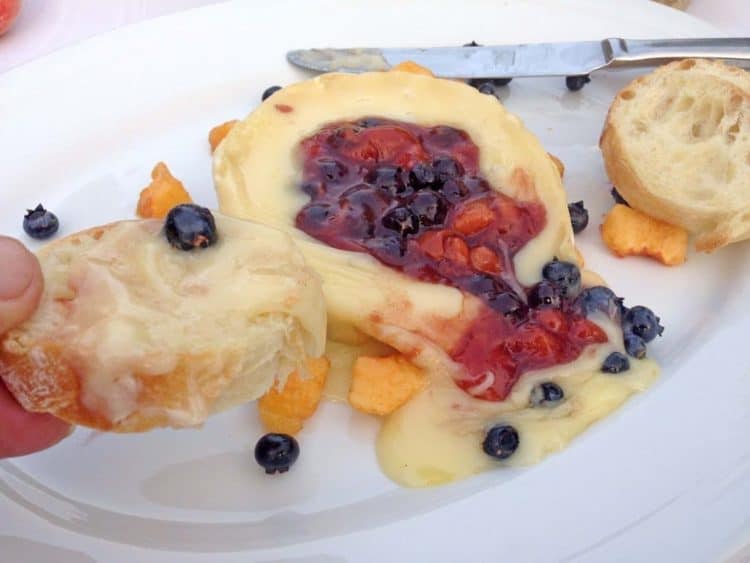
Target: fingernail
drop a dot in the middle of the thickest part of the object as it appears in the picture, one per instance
(16, 269)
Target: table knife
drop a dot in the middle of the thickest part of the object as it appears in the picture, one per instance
(526, 60)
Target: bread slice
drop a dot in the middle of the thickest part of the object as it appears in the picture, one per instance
(133, 334)
(676, 143)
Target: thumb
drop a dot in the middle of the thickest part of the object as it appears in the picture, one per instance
(20, 283)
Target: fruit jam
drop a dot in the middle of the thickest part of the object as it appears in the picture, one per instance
(413, 198)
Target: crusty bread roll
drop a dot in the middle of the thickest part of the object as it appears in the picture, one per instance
(133, 334)
(676, 143)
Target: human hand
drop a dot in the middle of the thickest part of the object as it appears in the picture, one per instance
(22, 432)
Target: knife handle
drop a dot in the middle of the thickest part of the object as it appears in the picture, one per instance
(637, 52)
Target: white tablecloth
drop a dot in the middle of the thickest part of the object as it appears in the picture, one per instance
(45, 25)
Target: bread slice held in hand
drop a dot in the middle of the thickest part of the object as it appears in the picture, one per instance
(133, 333)
(676, 144)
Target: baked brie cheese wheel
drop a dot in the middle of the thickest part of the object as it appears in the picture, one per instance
(133, 333)
(430, 212)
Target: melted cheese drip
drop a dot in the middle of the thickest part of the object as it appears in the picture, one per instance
(437, 436)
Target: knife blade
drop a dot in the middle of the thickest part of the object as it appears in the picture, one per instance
(525, 60)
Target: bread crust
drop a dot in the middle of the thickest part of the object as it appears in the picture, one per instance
(45, 379)
(712, 229)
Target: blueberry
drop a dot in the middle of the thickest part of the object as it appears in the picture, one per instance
(314, 189)
(40, 223)
(565, 275)
(642, 321)
(331, 169)
(599, 298)
(390, 250)
(497, 295)
(483, 285)
(546, 394)
(635, 346)
(485, 87)
(388, 178)
(364, 196)
(575, 83)
(362, 204)
(422, 176)
(190, 226)
(454, 190)
(508, 303)
(270, 91)
(315, 216)
(579, 216)
(543, 295)
(489, 85)
(447, 168)
(402, 220)
(276, 453)
(430, 207)
(616, 363)
(501, 441)
(368, 122)
(617, 197)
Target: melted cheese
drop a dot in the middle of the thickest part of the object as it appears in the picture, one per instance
(133, 308)
(257, 174)
(437, 436)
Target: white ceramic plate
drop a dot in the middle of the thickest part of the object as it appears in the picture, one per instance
(667, 478)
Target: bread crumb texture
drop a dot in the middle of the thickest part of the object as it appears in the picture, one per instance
(676, 144)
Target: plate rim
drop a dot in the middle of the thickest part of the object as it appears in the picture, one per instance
(17, 72)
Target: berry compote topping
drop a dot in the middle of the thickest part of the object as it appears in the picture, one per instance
(413, 197)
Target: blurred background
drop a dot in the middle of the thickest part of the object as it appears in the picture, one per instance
(42, 26)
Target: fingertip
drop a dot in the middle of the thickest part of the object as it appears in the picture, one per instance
(21, 283)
